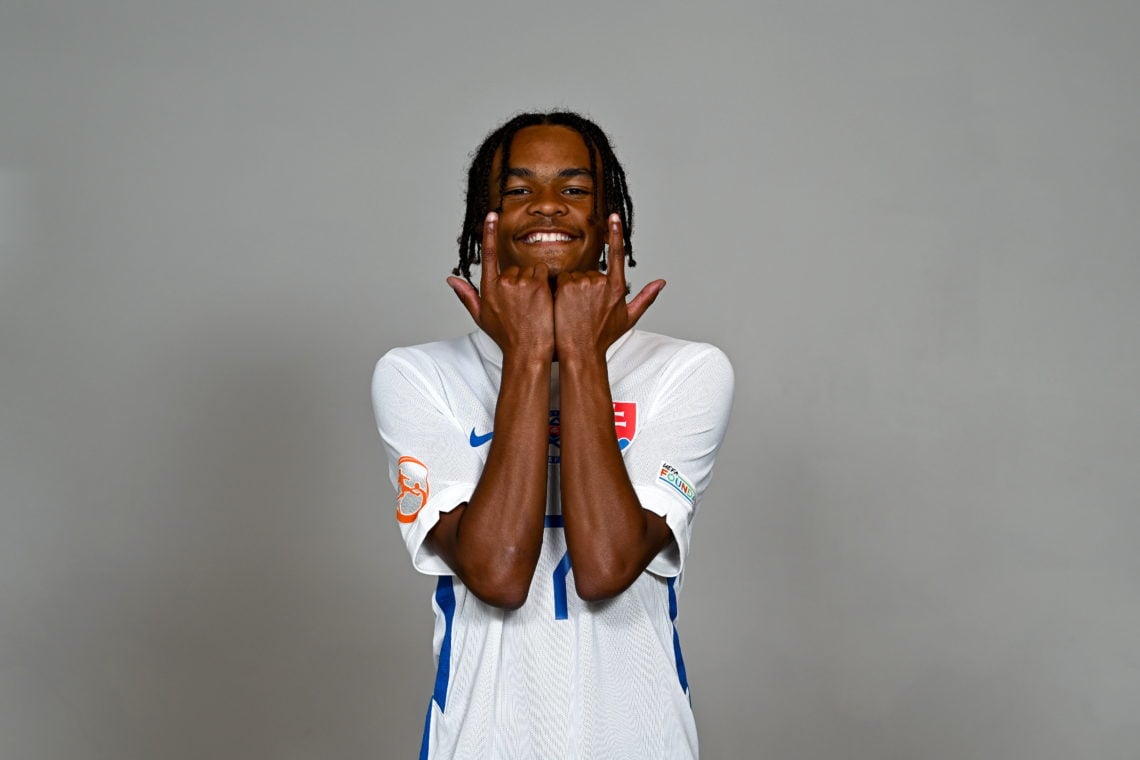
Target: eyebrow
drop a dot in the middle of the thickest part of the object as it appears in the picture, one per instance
(577, 171)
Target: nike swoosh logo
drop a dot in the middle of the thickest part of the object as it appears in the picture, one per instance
(479, 440)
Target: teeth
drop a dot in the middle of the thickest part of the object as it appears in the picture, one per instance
(548, 237)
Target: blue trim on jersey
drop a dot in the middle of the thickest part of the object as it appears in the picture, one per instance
(445, 598)
(681, 676)
(553, 521)
(427, 734)
(561, 610)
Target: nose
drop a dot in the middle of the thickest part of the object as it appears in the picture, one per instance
(547, 202)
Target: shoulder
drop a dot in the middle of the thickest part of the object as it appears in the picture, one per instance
(429, 358)
(429, 369)
(656, 343)
(670, 357)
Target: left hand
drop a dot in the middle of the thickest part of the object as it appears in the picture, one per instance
(590, 310)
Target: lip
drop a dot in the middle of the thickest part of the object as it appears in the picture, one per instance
(524, 236)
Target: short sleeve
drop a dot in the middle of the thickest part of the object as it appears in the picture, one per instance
(431, 465)
(670, 462)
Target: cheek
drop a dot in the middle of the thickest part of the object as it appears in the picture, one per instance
(506, 251)
(599, 234)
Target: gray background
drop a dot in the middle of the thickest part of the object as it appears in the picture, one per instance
(912, 226)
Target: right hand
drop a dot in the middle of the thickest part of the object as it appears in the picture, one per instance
(514, 307)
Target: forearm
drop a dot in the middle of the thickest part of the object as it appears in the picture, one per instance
(611, 539)
(493, 541)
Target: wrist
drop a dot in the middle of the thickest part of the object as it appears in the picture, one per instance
(582, 360)
(580, 351)
(532, 356)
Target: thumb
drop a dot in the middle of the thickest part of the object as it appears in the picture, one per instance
(643, 300)
(467, 295)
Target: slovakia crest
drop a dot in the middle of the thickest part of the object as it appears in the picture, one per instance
(625, 422)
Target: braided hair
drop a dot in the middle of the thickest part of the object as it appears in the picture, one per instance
(615, 191)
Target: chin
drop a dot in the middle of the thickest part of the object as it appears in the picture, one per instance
(557, 269)
(557, 264)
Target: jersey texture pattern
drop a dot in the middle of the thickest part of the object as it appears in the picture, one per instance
(559, 677)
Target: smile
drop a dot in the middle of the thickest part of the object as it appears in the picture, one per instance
(547, 237)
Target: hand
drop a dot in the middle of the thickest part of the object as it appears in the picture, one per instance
(515, 307)
(590, 311)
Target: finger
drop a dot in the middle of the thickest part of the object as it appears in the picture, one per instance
(561, 280)
(467, 296)
(643, 300)
(616, 259)
(490, 265)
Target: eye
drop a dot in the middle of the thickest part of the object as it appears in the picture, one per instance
(516, 191)
(577, 191)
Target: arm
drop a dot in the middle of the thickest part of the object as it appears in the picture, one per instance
(610, 537)
(493, 541)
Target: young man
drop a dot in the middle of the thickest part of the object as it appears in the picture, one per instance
(548, 465)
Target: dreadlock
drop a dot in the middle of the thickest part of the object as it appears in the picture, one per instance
(614, 189)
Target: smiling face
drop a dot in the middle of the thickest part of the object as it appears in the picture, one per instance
(547, 211)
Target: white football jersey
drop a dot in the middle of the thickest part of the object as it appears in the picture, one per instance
(558, 677)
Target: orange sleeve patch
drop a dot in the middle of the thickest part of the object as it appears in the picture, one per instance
(412, 475)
